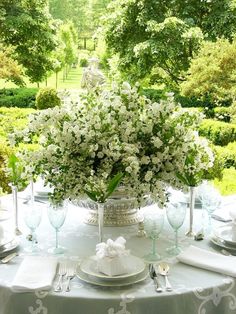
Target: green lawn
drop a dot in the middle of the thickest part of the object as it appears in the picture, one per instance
(71, 82)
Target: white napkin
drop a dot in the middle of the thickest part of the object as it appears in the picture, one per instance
(35, 273)
(222, 214)
(208, 260)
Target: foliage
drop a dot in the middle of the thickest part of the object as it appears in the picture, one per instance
(5, 152)
(220, 133)
(167, 34)
(12, 119)
(227, 185)
(113, 132)
(18, 97)
(10, 70)
(228, 154)
(68, 37)
(47, 98)
(15, 171)
(212, 73)
(223, 113)
(27, 26)
(83, 62)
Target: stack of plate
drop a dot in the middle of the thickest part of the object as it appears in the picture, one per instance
(41, 195)
(136, 272)
(225, 237)
(8, 243)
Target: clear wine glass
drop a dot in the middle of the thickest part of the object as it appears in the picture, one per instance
(211, 200)
(153, 225)
(57, 215)
(176, 213)
(32, 218)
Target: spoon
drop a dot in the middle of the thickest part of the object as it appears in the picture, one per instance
(163, 269)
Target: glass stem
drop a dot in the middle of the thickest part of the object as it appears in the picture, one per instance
(56, 238)
(154, 246)
(176, 239)
(100, 220)
(209, 222)
(33, 239)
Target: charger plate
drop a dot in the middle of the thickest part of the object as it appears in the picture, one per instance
(112, 283)
(135, 266)
(217, 241)
(225, 233)
(8, 237)
(4, 214)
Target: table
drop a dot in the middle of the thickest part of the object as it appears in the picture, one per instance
(196, 291)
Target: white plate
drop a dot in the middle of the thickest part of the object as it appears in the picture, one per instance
(113, 283)
(221, 243)
(135, 266)
(225, 233)
(9, 247)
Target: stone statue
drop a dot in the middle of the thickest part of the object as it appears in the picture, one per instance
(92, 77)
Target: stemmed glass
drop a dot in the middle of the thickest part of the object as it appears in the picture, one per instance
(57, 215)
(153, 224)
(32, 218)
(175, 213)
(211, 201)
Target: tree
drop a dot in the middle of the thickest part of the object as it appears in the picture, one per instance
(162, 35)
(28, 27)
(9, 69)
(212, 73)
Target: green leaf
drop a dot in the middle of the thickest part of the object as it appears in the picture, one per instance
(114, 182)
(94, 196)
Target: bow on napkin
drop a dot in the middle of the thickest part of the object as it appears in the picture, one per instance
(111, 248)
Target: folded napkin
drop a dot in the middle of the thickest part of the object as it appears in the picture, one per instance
(35, 273)
(112, 257)
(208, 260)
(222, 214)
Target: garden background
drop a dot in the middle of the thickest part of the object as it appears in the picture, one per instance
(186, 47)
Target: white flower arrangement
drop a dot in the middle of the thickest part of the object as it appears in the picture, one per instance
(112, 136)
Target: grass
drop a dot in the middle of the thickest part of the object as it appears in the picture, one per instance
(71, 82)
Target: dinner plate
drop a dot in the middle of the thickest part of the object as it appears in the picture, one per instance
(112, 283)
(9, 247)
(135, 266)
(226, 234)
(222, 243)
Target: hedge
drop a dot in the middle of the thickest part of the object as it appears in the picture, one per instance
(12, 119)
(219, 133)
(228, 154)
(5, 152)
(18, 97)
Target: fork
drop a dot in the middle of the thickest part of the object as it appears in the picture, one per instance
(70, 273)
(61, 273)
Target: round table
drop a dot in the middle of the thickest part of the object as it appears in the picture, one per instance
(195, 291)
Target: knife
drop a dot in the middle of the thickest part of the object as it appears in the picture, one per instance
(153, 275)
(8, 258)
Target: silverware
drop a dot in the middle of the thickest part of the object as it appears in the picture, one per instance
(163, 269)
(8, 258)
(70, 273)
(153, 275)
(61, 273)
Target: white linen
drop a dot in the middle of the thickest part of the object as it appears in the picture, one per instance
(35, 273)
(222, 214)
(208, 260)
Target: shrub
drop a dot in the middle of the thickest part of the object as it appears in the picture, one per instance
(18, 97)
(83, 62)
(220, 133)
(227, 186)
(12, 119)
(222, 114)
(228, 154)
(47, 98)
(5, 152)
